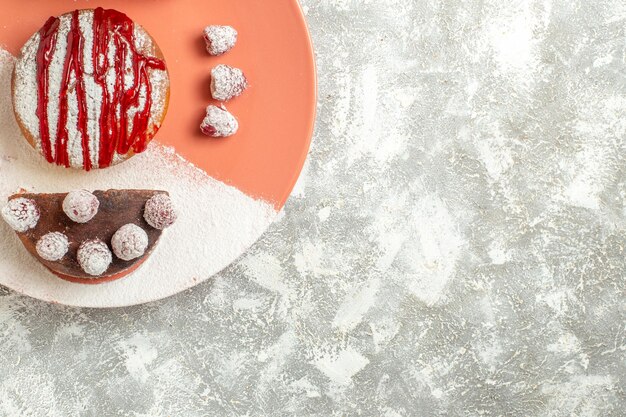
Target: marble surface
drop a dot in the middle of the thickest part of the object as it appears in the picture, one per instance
(455, 246)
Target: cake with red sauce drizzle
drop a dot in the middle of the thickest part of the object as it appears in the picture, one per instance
(90, 89)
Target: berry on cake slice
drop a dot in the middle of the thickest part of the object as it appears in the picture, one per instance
(227, 82)
(94, 257)
(130, 242)
(219, 39)
(219, 123)
(87, 237)
(80, 206)
(160, 212)
(21, 213)
(53, 246)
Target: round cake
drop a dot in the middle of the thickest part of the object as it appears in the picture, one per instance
(90, 89)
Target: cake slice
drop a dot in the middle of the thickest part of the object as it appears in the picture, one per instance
(88, 237)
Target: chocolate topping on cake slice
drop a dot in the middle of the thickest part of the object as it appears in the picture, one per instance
(90, 257)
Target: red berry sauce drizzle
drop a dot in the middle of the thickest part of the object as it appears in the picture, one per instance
(108, 25)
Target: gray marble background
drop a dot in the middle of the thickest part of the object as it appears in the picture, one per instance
(455, 246)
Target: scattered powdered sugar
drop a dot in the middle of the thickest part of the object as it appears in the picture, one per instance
(219, 39)
(160, 212)
(22, 214)
(94, 257)
(129, 242)
(219, 123)
(216, 225)
(227, 82)
(53, 246)
(80, 206)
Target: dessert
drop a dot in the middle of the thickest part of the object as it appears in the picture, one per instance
(129, 242)
(90, 89)
(219, 123)
(22, 214)
(219, 39)
(53, 246)
(80, 206)
(227, 82)
(160, 212)
(94, 257)
(111, 245)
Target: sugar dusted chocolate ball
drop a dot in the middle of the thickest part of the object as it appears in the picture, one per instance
(129, 242)
(160, 212)
(53, 246)
(94, 257)
(81, 206)
(219, 39)
(22, 214)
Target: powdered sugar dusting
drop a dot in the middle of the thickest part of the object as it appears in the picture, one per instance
(224, 219)
(74, 138)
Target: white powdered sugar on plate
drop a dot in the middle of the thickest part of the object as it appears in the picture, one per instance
(216, 222)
